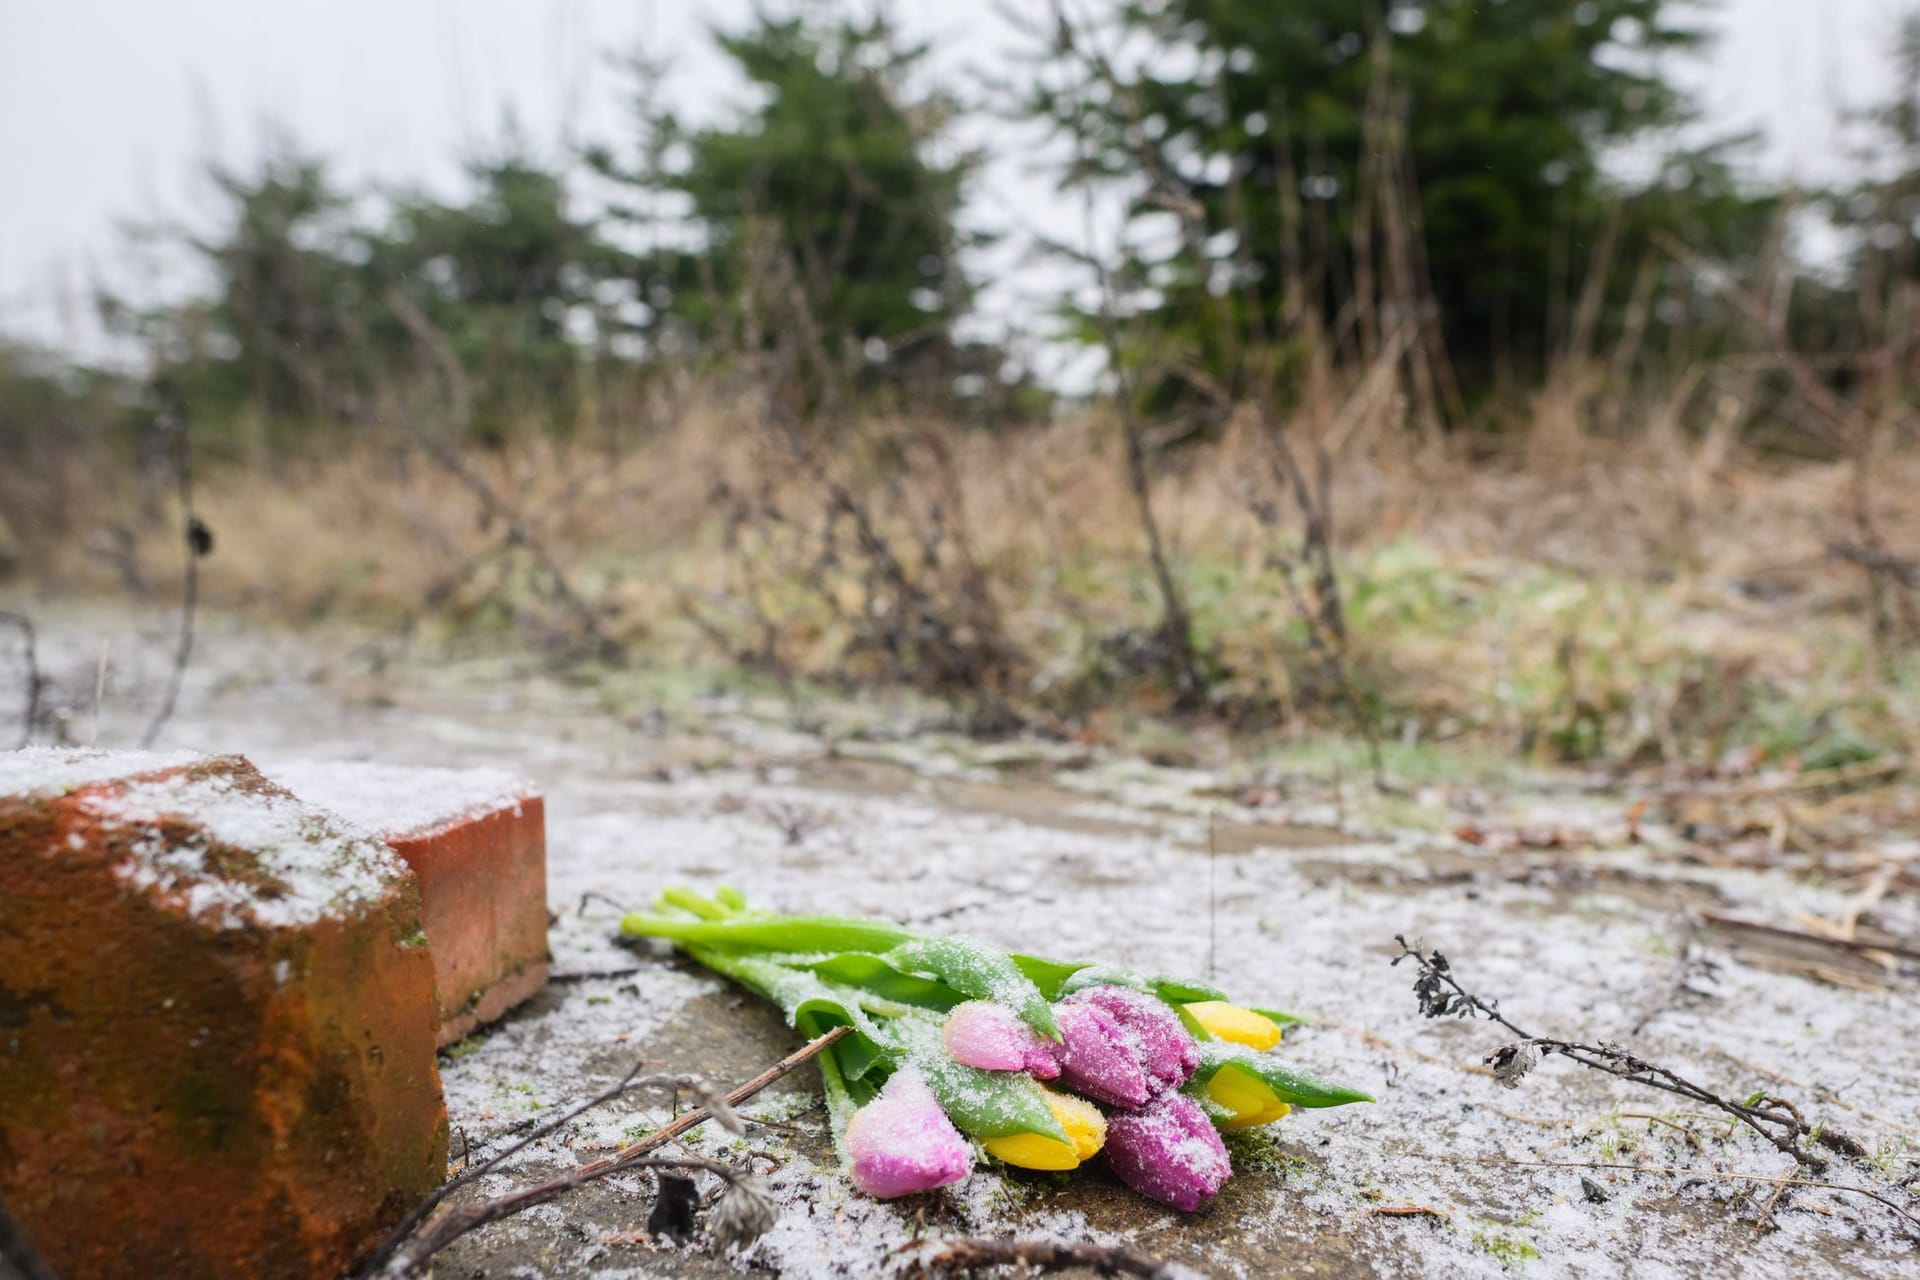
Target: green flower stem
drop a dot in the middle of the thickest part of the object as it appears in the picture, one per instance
(770, 933)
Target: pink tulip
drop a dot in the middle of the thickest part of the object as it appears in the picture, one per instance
(991, 1037)
(1163, 1047)
(902, 1142)
(1096, 1057)
(1168, 1151)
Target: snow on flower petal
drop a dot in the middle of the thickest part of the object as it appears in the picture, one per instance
(1251, 1099)
(1163, 1047)
(991, 1037)
(1168, 1151)
(1097, 1058)
(902, 1142)
(1086, 1131)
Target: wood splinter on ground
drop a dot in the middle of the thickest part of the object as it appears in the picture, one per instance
(1409, 1211)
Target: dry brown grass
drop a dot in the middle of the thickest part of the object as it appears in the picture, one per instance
(1632, 564)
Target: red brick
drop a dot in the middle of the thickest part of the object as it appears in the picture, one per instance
(476, 838)
(216, 1023)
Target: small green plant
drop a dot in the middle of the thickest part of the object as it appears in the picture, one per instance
(1504, 1242)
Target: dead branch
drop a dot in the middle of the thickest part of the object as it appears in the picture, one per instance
(1775, 1119)
(977, 1253)
(1850, 424)
(1176, 623)
(913, 600)
(1906, 950)
(1876, 561)
(172, 425)
(424, 1233)
(517, 529)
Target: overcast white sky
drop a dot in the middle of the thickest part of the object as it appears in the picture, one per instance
(106, 108)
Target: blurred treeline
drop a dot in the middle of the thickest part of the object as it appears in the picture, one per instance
(1487, 185)
(1479, 267)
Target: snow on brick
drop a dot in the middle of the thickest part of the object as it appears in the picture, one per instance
(40, 771)
(401, 800)
(218, 1014)
(476, 840)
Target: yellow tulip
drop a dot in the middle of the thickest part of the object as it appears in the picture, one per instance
(1251, 1099)
(1225, 1021)
(1086, 1131)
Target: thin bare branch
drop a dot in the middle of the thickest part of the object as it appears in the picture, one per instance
(1775, 1119)
(196, 541)
(423, 1233)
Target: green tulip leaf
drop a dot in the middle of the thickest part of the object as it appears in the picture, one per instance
(980, 971)
(812, 1006)
(874, 974)
(1050, 976)
(982, 1104)
(1283, 1019)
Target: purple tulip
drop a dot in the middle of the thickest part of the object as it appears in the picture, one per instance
(1162, 1047)
(1097, 1057)
(991, 1037)
(1168, 1151)
(902, 1142)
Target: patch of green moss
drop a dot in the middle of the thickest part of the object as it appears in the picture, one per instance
(1260, 1150)
(1501, 1241)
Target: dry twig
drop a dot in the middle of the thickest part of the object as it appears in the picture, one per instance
(1875, 560)
(517, 528)
(199, 542)
(1775, 1119)
(420, 1236)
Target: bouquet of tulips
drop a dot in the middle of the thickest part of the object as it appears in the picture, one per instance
(1041, 1063)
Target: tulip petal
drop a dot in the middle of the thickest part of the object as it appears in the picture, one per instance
(1295, 1088)
(1165, 1050)
(1096, 1058)
(902, 1142)
(1168, 1151)
(1234, 1024)
(1086, 1131)
(1250, 1100)
(989, 1036)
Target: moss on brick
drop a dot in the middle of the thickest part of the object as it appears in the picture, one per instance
(184, 1092)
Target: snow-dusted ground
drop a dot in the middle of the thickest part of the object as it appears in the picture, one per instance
(1110, 859)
